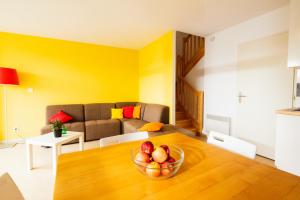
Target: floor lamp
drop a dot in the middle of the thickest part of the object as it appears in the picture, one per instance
(8, 76)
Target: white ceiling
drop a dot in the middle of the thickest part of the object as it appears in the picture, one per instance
(125, 23)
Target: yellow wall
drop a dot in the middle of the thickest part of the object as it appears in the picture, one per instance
(156, 72)
(63, 72)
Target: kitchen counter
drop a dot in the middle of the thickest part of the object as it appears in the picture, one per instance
(289, 111)
(287, 145)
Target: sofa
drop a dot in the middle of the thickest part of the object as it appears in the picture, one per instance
(94, 120)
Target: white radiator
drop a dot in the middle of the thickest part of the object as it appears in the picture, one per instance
(217, 123)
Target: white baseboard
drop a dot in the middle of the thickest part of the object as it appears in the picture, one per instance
(18, 140)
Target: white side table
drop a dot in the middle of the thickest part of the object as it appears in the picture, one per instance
(49, 140)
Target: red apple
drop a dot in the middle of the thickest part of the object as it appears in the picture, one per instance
(166, 168)
(171, 159)
(147, 147)
(166, 148)
(153, 169)
(159, 155)
(141, 158)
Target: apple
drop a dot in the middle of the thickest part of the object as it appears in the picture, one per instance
(142, 157)
(166, 168)
(153, 169)
(166, 148)
(171, 159)
(159, 155)
(147, 147)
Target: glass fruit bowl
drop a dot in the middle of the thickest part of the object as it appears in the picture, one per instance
(158, 170)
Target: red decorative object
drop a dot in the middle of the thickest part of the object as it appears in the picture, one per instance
(8, 76)
(61, 116)
(128, 112)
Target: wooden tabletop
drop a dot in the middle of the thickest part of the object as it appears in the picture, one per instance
(207, 173)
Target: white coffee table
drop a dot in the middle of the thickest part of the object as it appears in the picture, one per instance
(49, 140)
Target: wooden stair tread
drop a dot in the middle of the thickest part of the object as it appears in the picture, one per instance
(180, 115)
(184, 120)
(192, 129)
(184, 123)
(179, 109)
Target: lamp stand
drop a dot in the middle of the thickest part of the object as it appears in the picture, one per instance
(6, 144)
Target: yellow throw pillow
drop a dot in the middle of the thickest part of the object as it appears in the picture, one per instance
(116, 113)
(152, 126)
(137, 112)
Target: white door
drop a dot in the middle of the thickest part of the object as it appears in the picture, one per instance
(264, 84)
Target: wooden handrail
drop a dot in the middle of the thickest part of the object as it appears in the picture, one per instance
(189, 86)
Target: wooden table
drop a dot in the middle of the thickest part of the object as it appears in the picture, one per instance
(207, 173)
(53, 142)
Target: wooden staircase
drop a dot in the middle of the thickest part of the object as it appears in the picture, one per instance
(189, 102)
(182, 121)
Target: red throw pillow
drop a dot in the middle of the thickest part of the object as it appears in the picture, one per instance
(61, 116)
(128, 112)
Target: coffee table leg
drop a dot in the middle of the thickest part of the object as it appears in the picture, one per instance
(58, 150)
(29, 156)
(54, 158)
(81, 143)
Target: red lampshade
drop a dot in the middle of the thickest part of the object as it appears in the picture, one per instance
(8, 76)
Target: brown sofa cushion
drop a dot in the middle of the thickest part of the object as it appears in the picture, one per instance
(122, 123)
(98, 111)
(122, 104)
(74, 110)
(132, 125)
(75, 126)
(97, 129)
(156, 113)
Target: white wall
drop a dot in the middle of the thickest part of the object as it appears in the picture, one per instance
(216, 74)
(294, 34)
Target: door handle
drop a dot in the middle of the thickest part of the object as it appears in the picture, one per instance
(241, 96)
(218, 138)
